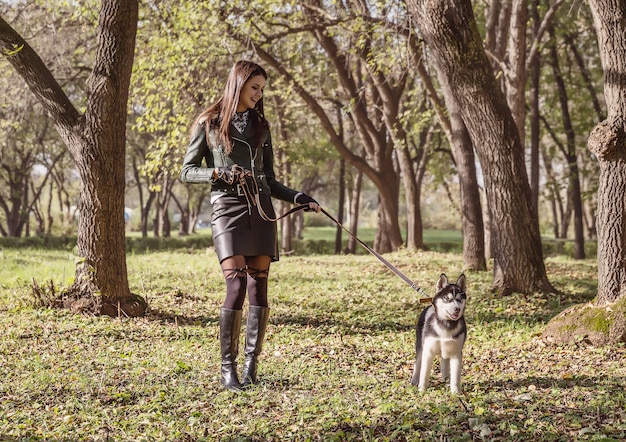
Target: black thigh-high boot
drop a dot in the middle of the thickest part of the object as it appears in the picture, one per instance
(230, 328)
(255, 334)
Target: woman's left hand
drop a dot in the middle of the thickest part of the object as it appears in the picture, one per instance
(305, 199)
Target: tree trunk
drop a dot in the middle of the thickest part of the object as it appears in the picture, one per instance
(474, 233)
(145, 204)
(574, 193)
(515, 61)
(287, 225)
(388, 235)
(96, 141)
(535, 72)
(608, 142)
(420, 161)
(185, 215)
(100, 161)
(472, 219)
(471, 210)
(355, 202)
(341, 205)
(450, 32)
(604, 322)
(414, 233)
(286, 230)
(166, 194)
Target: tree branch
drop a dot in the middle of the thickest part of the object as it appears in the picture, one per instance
(37, 76)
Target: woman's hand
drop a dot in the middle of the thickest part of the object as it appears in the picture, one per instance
(305, 199)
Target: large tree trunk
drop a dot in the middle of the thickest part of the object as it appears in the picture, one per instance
(450, 32)
(100, 153)
(96, 141)
(608, 142)
(604, 322)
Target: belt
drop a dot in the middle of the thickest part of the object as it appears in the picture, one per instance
(232, 190)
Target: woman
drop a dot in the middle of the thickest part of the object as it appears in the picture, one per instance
(232, 136)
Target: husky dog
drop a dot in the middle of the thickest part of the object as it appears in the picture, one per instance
(441, 331)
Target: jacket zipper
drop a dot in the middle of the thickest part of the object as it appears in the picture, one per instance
(252, 158)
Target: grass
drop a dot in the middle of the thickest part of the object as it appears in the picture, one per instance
(336, 363)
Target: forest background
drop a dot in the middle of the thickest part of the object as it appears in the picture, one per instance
(182, 57)
(466, 91)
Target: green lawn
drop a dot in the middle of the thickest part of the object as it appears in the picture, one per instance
(336, 364)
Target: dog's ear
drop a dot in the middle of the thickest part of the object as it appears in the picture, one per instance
(461, 281)
(442, 283)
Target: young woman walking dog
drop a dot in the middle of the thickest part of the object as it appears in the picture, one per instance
(231, 149)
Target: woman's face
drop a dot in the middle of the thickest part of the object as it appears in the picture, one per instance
(251, 92)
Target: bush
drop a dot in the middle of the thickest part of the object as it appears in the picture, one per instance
(556, 247)
(133, 244)
(315, 243)
(39, 242)
(143, 245)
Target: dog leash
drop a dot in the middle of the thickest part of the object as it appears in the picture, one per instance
(390, 266)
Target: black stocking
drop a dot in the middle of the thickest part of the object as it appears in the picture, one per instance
(235, 288)
(257, 287)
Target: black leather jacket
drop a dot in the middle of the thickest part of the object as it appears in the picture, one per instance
(260, 161)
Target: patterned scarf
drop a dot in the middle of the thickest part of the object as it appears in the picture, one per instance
(240, 120)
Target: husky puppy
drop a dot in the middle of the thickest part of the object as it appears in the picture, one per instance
(441, 331)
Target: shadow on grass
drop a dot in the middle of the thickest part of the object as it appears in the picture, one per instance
(182, 320)
(347, 327)
(605, 382)
(573, 404)
(331, 324)
(380, 319)
(509, 310)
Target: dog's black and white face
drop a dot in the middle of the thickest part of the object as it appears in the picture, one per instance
(449, 302)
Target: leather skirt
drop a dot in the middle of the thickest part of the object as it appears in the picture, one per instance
(238, 229)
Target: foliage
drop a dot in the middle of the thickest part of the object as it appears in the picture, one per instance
(335, 366)
(32, 156)
(183, 53)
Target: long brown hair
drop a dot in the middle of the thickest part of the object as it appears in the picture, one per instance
(219, 115)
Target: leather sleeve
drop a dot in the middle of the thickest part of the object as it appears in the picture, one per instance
(198, 150)
(277, 189)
